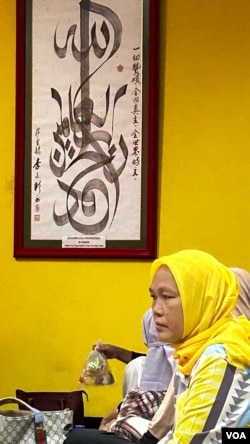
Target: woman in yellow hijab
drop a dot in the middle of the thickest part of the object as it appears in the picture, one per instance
(193, 297)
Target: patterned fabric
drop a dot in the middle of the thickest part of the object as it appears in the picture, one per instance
(20, 429)
(140, 404)
(215, 395)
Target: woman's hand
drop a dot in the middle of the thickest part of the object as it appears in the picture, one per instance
(114, 352)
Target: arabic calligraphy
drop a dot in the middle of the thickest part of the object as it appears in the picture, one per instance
(73, 134)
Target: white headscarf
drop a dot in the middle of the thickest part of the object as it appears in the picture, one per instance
(159, 364)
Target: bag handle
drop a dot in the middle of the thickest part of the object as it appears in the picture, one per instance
(11, 400)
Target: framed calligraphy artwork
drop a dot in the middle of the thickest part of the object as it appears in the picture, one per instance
(86, 129)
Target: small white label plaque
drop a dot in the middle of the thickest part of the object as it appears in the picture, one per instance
(83, 242)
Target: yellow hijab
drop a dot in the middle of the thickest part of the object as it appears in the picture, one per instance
(209, 293)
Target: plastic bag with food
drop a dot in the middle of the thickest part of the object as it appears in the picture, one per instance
(96, 370)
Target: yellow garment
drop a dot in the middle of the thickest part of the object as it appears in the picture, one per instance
(209, 292)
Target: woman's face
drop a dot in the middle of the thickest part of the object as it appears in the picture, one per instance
(167, 306)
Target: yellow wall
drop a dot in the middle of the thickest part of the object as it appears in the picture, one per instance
(53, 311)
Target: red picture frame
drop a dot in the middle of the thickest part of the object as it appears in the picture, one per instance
(61, 213)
